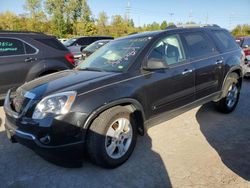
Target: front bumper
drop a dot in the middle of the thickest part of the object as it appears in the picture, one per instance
(50, 137)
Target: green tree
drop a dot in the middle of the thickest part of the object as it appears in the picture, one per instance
(57, 8)
(87, 25)
(164, 25)
(102, 22)
(73, 14)
(36, 15)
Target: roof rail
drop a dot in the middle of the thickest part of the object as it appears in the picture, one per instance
(192, 26)
(30, 32)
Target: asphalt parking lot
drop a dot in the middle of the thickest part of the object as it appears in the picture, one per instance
(201, 148)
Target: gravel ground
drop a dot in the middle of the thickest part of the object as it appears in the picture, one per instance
(201, 148)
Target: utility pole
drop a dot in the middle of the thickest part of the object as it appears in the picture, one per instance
(230, 20)
(171, 15)
(128, 10)
(206, 19)
(190, 15)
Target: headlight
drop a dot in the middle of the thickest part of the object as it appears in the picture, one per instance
(54, 104)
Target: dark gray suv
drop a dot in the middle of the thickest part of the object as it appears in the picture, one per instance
(121, 89)
(25, 56)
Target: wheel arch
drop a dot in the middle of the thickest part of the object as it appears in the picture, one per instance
(130, 103)
(238, 71)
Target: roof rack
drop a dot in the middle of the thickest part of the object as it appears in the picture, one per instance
(192, 26)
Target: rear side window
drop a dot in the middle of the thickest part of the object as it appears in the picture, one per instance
(82, 41)
(10, 47)
(53, 43)
(226, 40)
(199, 44)
(86, 41)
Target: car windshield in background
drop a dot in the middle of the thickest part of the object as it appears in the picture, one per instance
(239, 41)
(116, 56)
(94, 46)
(69, 42)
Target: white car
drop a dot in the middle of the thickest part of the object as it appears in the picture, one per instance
(246, 67)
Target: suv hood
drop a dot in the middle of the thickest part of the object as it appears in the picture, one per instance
(69, 80)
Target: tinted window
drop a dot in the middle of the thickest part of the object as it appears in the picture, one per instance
(10, 46)
(168, 49)
(246, 42)
(226, 40)
(53, 43)
(199, 44)
(80, 41)
(29, 49)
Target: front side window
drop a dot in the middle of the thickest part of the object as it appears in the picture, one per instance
(116, 56)
(10, 47)
(199, 44)
(168, 49)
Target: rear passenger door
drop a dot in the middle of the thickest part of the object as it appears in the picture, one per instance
(207, 61)
(15, 61)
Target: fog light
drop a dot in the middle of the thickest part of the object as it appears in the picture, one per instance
(45, 140)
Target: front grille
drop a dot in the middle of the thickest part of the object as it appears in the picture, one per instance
(19, 101)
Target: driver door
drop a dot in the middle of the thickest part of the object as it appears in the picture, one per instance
(174, 86)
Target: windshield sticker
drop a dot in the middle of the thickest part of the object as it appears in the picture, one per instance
(120, 67)
(125, 58)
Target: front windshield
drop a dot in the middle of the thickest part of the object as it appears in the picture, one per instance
(116, 56)
(69, 42)
(94, 46)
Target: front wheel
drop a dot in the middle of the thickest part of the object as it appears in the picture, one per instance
(232, 87)
(112, 137)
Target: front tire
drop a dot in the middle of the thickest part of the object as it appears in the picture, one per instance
(232, 88)
(112, 137)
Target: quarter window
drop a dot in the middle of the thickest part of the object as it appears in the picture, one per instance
(29, 49)
(199, 44)
(226, 40)
(168, 49)
(10, 47)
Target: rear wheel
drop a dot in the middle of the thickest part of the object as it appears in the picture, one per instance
(232, 87)
(112, 137)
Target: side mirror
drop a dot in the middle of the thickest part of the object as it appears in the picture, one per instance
(155, 64)
(245, 46)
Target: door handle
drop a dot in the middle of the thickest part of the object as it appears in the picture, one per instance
(30, 59)
(187, 71)
(218, 62)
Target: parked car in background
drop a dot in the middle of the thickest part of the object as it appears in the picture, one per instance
(93, 47)
(76, 45)
(244, 43)
(128, 84)
(62, 40)
(25, 56)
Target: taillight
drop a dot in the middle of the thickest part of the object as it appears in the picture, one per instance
(247, 52)
(70, 58)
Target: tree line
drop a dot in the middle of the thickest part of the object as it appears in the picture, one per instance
(68, 18)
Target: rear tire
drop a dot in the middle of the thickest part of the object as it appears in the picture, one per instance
(230, 100)
(111, 137)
